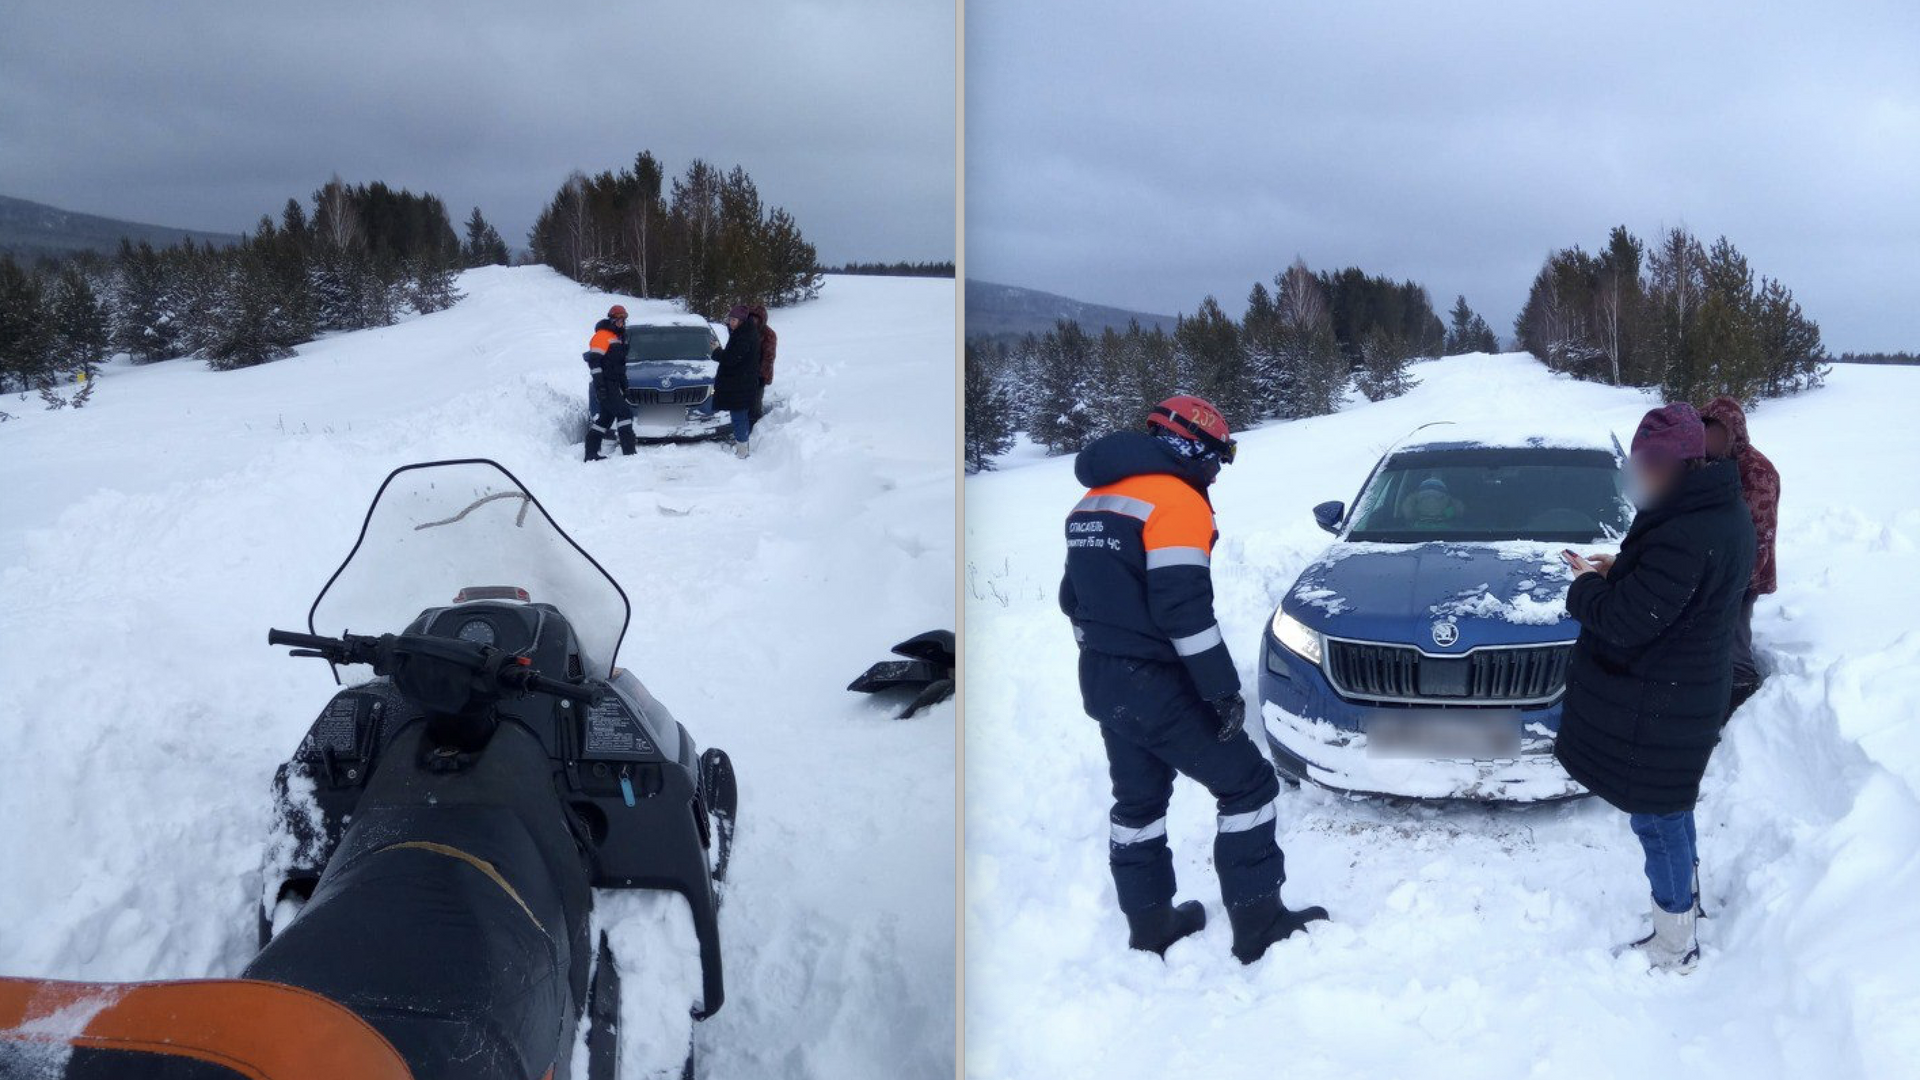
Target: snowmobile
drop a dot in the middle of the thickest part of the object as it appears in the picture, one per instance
(443, 824)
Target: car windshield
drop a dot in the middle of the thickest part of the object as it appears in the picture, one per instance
(667, 342)
(440, 528)
(1485, 493)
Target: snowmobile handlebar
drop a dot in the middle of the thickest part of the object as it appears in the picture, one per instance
(389, 652)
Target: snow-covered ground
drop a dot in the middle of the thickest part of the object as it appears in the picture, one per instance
(1473, 943)
(148, 542)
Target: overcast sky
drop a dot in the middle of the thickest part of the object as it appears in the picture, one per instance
(1147, 156)
(205, 115)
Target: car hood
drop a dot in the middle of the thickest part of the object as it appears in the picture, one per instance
(669, 374)
(1505, 593)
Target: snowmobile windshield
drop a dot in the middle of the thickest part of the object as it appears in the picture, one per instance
(444, 532)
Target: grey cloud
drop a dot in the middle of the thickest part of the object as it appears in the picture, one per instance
(1147, 156)
(205, 115)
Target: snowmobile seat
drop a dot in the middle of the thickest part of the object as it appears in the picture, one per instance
(196, 1029)
(442, 930)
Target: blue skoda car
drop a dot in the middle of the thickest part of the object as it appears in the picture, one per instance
(1424, 655)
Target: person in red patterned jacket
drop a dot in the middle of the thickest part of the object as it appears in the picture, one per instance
(1760, 484)
(769, 345)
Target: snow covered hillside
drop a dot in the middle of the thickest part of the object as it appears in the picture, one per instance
(1473, 943)
(149, 540)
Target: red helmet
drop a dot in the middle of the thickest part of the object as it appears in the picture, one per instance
(1194, 418)
(616, 312)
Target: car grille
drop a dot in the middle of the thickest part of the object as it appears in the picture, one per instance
(1487, 676)
(683, 395)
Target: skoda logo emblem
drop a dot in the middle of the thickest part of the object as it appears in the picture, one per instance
(1445, 634)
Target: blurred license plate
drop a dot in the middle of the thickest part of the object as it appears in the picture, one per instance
(1444, 733)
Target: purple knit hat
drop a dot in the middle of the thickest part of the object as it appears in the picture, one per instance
(739, 311)
(1670, 433)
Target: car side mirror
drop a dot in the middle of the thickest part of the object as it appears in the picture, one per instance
(1328, 514)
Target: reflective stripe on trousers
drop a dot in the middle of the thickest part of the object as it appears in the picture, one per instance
(1252, 819)
(1152, 830)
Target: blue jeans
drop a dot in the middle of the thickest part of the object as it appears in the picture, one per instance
(742, 419)
(1672, 848)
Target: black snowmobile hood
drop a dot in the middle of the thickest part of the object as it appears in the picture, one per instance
(1110, 459)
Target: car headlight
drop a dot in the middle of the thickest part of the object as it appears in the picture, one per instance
(1298, 637)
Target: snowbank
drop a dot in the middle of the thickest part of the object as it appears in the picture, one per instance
(150, 539)
(1473, 943)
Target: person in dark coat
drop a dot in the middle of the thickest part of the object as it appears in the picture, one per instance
(736, 385)
(1648, 684)
(1155, 672)
(1760, 483)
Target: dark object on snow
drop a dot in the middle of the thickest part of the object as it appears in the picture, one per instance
(441, 828)
(1157, 928)
(1261, 925)
(738, 381)
(928, 669)
(1651, 673)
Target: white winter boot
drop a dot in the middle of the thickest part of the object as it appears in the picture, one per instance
(1672, 946)
(741, 449)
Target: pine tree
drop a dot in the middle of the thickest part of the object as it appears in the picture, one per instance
(1214, 362)
(484, 246)
(1062, 418)
(1676, 289)
(988, 412)
(712, 243)
(1727, 334)
(1383, 366)
(81, 332)
(27, 337)
(1263, 336)
(145, 304)
(1794, 358)
(1461, 326)
(1468, 332)
(1621, 313)
(1318, 371)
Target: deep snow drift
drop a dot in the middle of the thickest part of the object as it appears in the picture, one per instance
(151, 539)
(1473, 943)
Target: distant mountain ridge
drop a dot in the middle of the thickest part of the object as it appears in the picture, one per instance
(1001, 311)
(30, 230)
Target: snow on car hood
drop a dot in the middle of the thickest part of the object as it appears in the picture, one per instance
(1504, 593)
(670, 374)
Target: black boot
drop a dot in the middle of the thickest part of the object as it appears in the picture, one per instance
(1258, 925)
(626, 440)
(1158, 927)
(593, 445)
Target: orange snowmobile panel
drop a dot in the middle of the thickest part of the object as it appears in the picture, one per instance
(260, 1030)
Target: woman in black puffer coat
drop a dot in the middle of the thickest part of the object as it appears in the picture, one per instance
(1648, 683)
(736, 385)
